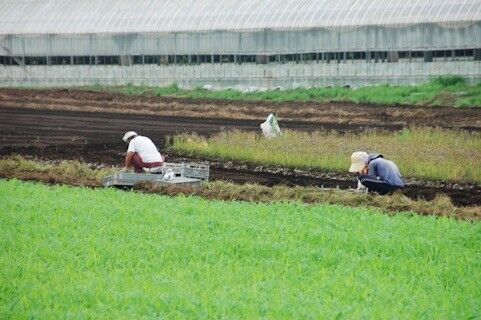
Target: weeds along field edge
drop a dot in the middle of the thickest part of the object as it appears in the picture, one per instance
(431, 153)
(80, 174)
(70, 252)
(440, 91)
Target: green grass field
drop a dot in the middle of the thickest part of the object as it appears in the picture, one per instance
(419, 152)
(70, 252)
(440, 91)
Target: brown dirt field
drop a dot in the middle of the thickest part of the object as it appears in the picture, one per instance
(34, 122)
(340, 115)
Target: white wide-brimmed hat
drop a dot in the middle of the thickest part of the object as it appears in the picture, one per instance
(358, 161)
(128, 135)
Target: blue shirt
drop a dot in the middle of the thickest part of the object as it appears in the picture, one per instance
(385, 170)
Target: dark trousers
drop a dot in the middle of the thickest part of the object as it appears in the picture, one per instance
(375, 185)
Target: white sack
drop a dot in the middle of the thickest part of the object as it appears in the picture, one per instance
(270, 127)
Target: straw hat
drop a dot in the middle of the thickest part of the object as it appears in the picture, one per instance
(358, 161)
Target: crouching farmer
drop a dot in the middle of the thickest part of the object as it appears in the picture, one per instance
(142, 154)
(376, 173)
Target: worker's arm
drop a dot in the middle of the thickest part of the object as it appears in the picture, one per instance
(128, 159)
(372, 169)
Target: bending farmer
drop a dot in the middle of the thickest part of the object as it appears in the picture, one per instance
(142, 154)
(376, 173)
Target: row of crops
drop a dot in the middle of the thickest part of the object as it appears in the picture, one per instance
(75, 252)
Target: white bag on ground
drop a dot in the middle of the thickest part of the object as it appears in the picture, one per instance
(270, 127)
(169, 175)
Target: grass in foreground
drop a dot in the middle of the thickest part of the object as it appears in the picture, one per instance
(419, 152)
(80, 253)
(66, 171)
(79, 174)
(441, 91)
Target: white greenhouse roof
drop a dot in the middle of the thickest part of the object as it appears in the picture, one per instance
(128, 16)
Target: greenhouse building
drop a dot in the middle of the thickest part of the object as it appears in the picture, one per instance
(237, 44)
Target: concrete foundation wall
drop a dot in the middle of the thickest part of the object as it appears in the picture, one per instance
(240, 76)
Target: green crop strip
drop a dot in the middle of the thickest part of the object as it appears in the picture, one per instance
(419, 152)
(441, 91)
(70, 252)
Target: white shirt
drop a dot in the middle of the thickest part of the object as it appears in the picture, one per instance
(145, 148)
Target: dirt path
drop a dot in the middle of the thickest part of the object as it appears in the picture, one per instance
(330, 115)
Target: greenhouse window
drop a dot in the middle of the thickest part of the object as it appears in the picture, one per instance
(245, 58)
(392, 56)
(287, 57)
(463, 53)
(442, 55)
(10, 61)
(205, 59)
(182, 59)
(359, 55)
(60, 60)
(417, 54)
(330, 56)
(163, 60)
(403, 55)
(262, 59)
(35, 61)
(107, 60)
(151, 59)
(194, 59)
(227, 58)
(338, 56)
(308, 57)
(324, 57)
(477, 54)
(83, 60)
(428, 56)
(383, 56)
(138, 59)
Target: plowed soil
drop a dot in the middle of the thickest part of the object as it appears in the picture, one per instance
(48, 124)
(338, 115)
